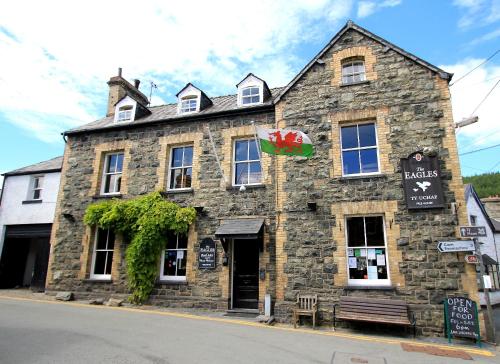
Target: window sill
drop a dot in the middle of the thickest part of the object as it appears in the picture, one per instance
(27, 202)
(98, 280)
(363, 176)
(248, 187)
(97, 197)
(355, 83)
(172, 283)
(179, 191)
(379, 288)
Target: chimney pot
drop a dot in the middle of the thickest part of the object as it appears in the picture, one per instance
(119, 72)
(137, 83)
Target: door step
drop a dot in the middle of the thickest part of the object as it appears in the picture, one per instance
(242, 312)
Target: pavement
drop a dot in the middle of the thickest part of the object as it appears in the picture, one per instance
(36, 329)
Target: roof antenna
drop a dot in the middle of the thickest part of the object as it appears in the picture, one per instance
(152, 86)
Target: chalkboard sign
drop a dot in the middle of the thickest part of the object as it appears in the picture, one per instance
(207, 254)
(461, 318)
(422, 181)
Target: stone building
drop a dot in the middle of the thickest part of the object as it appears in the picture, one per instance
(334, 224)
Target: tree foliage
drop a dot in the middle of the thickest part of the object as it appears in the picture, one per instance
(144, 222)
(487, 184)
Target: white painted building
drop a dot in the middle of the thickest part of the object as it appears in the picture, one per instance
(490, 244)
(27, 206)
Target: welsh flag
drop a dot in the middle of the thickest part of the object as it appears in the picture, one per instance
(285, 142)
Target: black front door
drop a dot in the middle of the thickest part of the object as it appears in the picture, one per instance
(41, 265)
(246, 274)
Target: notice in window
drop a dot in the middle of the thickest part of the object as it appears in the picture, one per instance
(353, 262)
(372, 272)
(380, 259)
(371, 254)
(350, 252)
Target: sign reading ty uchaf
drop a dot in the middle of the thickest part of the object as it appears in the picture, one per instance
(422, 181)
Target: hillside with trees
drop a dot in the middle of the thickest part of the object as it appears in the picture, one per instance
(487, 184)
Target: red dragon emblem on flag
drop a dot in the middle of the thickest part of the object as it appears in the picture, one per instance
(290, 142)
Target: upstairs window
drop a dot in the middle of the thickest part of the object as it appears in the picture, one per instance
(102, 259)
(250, 95)
(247, 168)
(125, 113)
(473, 220)
(189, 104)
(36, 184)
(112, 176)
(174, 258)
(359, 149)
(353, 71)
(181, 168)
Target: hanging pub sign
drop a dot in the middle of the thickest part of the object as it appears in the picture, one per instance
(461, 318)
(207, 254)
(422, 181)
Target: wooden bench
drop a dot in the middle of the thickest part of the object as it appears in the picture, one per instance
(374, 310)
(307, 305)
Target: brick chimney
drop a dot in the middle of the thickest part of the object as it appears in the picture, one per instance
(119, 87)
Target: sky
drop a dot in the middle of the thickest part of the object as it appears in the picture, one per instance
(56, 58)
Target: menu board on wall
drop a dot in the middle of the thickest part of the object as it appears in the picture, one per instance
(207, 254)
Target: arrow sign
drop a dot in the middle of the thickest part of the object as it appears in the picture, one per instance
(472, 231)
(451, 246)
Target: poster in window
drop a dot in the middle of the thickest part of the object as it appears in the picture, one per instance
(353, 262)
(381, 259)
(422, 181)
(350, 252)
(372, 272)
(371, 254)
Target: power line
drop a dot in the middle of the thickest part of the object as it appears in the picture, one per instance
(483, 100)
(478, 150)
(479, 65)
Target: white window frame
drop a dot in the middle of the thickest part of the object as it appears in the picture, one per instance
(245, 161)
(162, 265)
(367, 282)
(32, 188)
(125, 113)
(94, 255)
(259, 94)
(351, 63)
(107, 158)
(188, 99)
(170, 168)
(357, 124)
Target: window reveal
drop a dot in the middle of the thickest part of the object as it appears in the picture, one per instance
(359, 149)
(247, 168)
(366, 249)
(112, 175)
(181, 167)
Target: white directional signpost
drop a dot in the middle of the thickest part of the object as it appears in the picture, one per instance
(452, 246)
(475, 232)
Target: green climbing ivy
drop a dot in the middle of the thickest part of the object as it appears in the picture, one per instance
(143, 221)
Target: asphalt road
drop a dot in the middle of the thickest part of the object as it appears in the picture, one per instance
(44, 332)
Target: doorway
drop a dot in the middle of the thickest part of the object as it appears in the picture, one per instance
(245, 283)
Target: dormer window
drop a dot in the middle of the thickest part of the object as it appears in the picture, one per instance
(252, 91)
(125, 113)
(189, 104)
(250, 95)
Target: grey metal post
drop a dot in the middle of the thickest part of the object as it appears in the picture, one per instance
(490, 327)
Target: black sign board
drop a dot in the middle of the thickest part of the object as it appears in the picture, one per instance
(472, 231)
(461, 318)
(207, 254)
(422, 181)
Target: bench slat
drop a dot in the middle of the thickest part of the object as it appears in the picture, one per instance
(373, 308)
(374, 319)
(374, 301)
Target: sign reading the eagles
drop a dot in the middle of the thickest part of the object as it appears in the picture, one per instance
(422, 181)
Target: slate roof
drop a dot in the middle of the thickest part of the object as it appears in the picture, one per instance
(221, 104)
(239, 227)
(51, 165)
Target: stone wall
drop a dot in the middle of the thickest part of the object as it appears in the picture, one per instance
(410, 106)
(145, 167)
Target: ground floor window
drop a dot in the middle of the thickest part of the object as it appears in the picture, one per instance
(102, 259)
(366, 251)
(174, 258)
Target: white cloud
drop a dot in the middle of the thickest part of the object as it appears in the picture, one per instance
(57, 57)
(367, 8)
(466, 96)
(478, 12)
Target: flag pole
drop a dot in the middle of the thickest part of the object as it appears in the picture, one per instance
(258, 149)
(215, 154)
